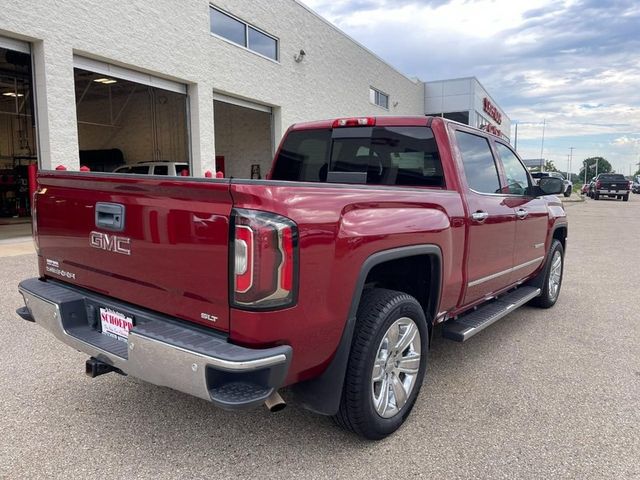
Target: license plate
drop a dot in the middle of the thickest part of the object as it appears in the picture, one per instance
(115, 324)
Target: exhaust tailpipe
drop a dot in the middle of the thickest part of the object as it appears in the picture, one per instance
(275, 402)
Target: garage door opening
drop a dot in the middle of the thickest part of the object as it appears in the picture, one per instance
(244, 139)
(124, 122)
(18, 145)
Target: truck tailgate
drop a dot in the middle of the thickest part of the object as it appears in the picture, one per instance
(170, 255)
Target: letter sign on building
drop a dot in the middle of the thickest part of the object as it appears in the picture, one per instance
(492, 110)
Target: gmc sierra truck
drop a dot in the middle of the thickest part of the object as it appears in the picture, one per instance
(329, 277)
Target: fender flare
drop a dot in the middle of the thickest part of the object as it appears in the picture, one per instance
(322, 394)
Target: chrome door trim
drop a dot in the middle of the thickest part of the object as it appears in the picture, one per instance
(488, 278)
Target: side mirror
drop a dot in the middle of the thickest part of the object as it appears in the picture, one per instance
(551, 186)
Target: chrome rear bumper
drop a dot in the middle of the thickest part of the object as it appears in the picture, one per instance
(159, 350)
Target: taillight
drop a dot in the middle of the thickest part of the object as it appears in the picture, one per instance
(264, 260)
(354, 122)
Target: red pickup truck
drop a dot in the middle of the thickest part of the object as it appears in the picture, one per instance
(329, 277)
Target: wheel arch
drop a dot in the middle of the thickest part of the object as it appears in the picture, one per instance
(322, 394)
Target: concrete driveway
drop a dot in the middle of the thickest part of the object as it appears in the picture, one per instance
(540, 394)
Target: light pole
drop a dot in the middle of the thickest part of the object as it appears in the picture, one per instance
(570, 162)
(544, 124)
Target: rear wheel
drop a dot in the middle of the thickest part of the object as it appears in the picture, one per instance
(549, 280)
(386, 365)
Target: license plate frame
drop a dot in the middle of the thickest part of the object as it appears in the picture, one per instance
(115, 324)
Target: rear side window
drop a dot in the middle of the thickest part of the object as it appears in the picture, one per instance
(161, 170)
(479, 164)
(383, 155)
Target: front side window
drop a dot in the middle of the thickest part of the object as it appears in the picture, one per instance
(161, 170)
(479, 164)
(243, 34)
(517, 178)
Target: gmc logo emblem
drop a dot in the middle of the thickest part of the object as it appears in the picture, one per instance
(110, 243)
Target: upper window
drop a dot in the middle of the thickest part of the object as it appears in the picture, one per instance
(517, 177)
(243, 34)
(379, 98)
(479, 165)
(161, 170)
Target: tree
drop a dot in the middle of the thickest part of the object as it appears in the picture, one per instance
(590, 165)
(549, 166)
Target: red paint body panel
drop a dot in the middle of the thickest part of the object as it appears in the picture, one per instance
(179, 231)
(338, 229)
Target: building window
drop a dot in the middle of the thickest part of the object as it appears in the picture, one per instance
(243, 34)
(379, 98)
(462, 117)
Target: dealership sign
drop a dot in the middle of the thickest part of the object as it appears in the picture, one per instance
(492, 110)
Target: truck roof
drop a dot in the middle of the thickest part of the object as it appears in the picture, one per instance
(381, 121)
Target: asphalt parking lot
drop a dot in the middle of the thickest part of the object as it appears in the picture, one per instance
(540, 394)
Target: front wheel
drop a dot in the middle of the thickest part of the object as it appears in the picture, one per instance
(625, 198)
(386, 365)
(549, 280)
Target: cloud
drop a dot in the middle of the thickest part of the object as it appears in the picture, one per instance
(574, 63)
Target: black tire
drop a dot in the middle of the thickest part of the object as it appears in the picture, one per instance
(596, 196)
(378, 310)
(546, 299)
(625, 198)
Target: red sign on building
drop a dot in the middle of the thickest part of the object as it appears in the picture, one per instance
(492, 110)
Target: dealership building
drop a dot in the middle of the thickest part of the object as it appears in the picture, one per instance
(214, 85)
(465, 100)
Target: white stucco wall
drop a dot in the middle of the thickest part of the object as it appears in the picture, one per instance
(171, 39)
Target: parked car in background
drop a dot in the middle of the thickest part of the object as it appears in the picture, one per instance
(585, 189)
(568, 185)
(611, 185)
(328, 277)
(635, 185)
(172, 169)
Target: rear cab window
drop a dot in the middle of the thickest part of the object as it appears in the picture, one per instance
(393, 155)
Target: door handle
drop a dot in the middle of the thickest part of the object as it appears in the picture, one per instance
(521, 213)
(479, 216)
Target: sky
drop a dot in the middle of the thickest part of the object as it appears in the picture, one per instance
(573, 65)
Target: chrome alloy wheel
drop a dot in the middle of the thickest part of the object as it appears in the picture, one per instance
(555, 275)
(396, 367)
